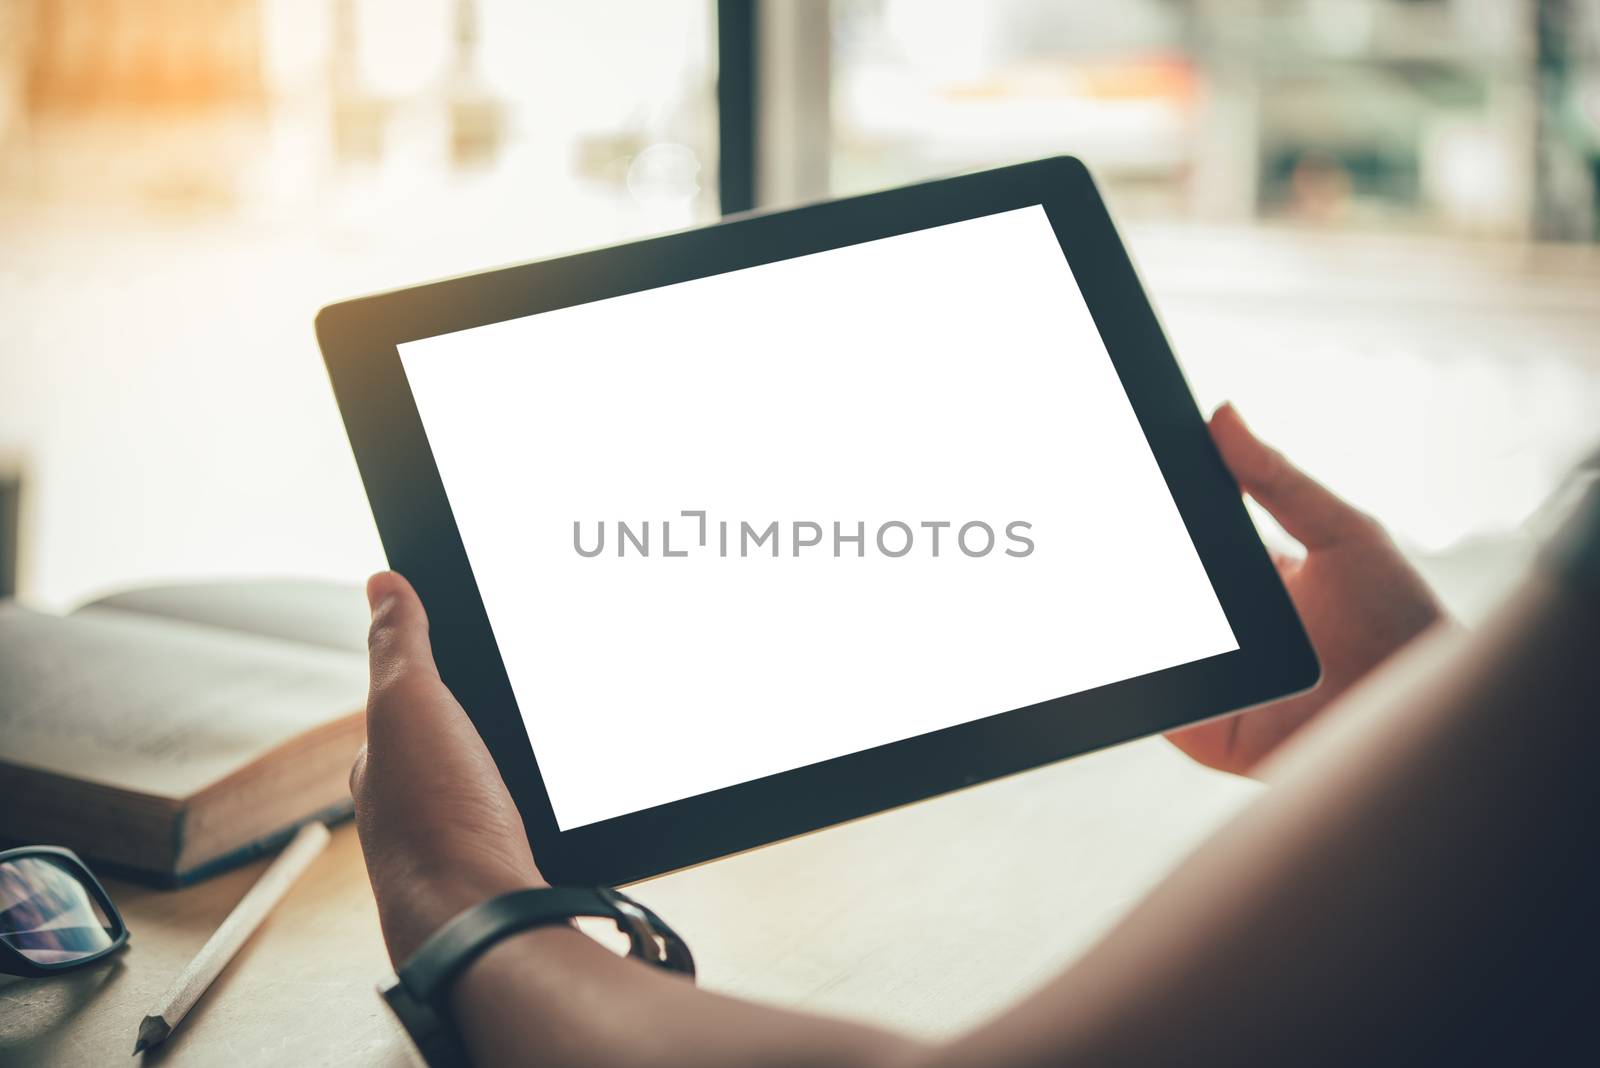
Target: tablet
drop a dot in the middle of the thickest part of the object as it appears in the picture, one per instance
(738, 532)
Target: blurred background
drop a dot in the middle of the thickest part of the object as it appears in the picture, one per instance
(1372, 223)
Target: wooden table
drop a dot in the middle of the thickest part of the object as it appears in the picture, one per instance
(885, 919)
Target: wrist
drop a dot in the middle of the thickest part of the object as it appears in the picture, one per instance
(555, 951)
(433, 982)
(419, 907)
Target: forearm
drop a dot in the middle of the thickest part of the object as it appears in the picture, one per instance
(1414, 882)
(1420, 863)
(553, 997)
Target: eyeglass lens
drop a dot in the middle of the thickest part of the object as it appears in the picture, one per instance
(48, 915)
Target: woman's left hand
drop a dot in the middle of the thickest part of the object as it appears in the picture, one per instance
(438, 829)
(1358, 597)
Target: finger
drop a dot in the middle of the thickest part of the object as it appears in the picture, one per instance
(358, 771)
(397, 642)
(1210, 743)
(1311, 513)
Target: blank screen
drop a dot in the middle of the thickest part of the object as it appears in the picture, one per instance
(730, 527)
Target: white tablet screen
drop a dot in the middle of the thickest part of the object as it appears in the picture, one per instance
(730, 527)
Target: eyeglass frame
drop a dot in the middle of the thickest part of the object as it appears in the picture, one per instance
(14, 962)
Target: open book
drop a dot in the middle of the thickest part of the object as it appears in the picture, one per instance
(172, 731)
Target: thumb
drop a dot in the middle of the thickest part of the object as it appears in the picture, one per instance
(397, 643)
(1313, 515)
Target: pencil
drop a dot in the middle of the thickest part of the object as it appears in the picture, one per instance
(241, 923)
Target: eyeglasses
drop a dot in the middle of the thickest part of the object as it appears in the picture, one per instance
(54, 914)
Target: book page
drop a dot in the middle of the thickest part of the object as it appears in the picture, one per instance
(315, 613)
(154, 705)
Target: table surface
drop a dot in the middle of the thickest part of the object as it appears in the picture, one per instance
(927, 918)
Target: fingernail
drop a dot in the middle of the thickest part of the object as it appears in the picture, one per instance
(375, 589)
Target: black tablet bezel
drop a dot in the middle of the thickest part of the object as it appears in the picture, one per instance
(359, 339)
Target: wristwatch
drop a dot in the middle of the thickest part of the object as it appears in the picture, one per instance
(419, 994)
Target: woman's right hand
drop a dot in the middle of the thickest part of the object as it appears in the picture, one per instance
(438, 828)
(1359, 599)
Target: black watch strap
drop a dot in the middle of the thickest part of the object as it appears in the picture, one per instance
(419, 995)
